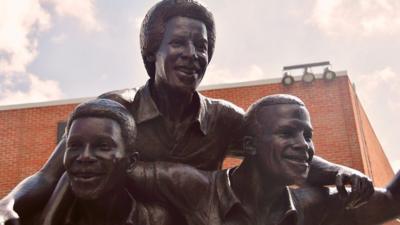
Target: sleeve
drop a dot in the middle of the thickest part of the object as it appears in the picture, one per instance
(58, 204)
(323, 172)
(319, 205)
(183, 186)
(155, 213)
(384, 205)
(380, 208)
(125, 96)
(233, 121)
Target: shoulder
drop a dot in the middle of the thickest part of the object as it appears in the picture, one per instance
(182, 176)
(222, 107)
(181, 180)
(318, 203)
(154, 213)
(310, 195)
(123, 96)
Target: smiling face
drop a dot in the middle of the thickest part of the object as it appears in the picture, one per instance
(182, 58)
(95, 157)
(284, 145)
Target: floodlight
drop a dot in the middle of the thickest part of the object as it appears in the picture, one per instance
(329, 74)
(308, 77)
(287, 79)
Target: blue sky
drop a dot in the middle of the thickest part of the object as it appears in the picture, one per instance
(58, 49)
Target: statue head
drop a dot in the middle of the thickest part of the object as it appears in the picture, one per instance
(278, 138)
(99, 147)
(154, 27)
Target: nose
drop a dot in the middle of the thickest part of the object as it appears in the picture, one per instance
(190, 50)
(300, 143)
(86, 155)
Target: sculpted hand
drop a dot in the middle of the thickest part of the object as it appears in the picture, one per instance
(361, 187)
(7, 214)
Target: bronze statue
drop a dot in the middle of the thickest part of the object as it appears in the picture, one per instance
(175, 123)
(100, 138)
(279, 148)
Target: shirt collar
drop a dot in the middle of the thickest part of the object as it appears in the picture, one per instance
(289, 211)
(228, 200)
(72, 217)
(202, 118)
(227, 197)
(147, 108)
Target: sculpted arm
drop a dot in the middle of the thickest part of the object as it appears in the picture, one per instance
(380, 208)
(384, 205)
(323, 173)
(32, 193)
(181, 185)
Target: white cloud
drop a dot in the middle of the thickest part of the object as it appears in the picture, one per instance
(357, 17)
(58, 39)
(18, 21)
(82, 10)
(37, 90)
(215, 75)
(381, 87)
(21, 23)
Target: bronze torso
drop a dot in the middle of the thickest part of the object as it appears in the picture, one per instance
(213, 131)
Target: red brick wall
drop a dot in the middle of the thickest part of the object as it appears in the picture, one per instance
(27, 136)
(376, 164)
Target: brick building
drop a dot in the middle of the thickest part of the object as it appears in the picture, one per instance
(343, 134)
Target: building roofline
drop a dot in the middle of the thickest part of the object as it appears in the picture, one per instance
(261, 82)
(201, 88)
(45, 104)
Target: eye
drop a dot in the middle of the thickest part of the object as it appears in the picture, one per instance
(307, 136)
(202, 47)
(285, 133)
(176, 43)
(104, 146)
(73, 146)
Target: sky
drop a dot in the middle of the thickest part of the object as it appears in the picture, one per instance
(61, 49)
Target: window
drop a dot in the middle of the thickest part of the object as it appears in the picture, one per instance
(60, 130)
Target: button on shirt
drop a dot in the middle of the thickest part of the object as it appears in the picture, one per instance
(214, 130)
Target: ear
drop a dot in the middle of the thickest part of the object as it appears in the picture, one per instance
(151, 58)
(132, 159)
(249, 147)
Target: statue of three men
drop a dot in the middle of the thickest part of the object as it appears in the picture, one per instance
(191, 134)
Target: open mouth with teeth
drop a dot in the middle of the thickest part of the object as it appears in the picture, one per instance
(301, 159)
(86, 176)
(187, 70)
